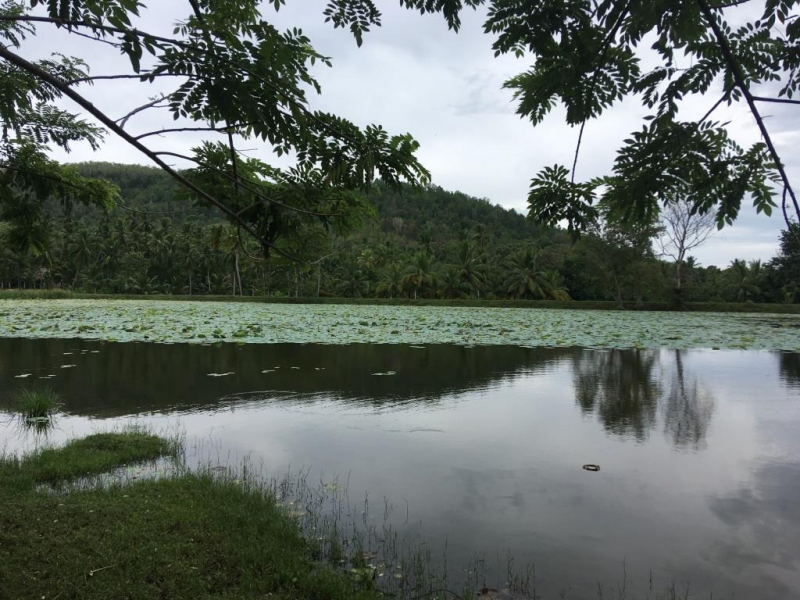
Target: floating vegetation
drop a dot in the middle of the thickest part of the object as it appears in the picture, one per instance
(386, 373)
(197, 322)
(226, 374)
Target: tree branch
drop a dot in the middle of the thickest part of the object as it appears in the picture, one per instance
(140, 77)
(186, 129)
(122, 121)
(577, 150)
(182, 44)
(248, 185)
(713, 108)
(606, 45)
(741, 83)
(113, 126)
(777, 100)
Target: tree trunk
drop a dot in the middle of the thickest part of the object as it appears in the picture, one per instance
(238, 274)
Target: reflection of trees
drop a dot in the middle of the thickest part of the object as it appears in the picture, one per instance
(687, 408)
(624, 389)
(789, 364)
(620, 386)
(130, 378)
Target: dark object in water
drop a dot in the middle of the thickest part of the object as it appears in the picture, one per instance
(591, 467)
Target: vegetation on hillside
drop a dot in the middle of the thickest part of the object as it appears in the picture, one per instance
(417, 244)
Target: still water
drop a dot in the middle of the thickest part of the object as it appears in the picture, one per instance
(483, 447)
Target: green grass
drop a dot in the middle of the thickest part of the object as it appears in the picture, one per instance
(189, 536)
(39, 404)
(744, 307)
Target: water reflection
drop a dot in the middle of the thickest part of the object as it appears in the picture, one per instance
(111, 379)
(625, 389)
(688, 407)
(790, 368)
(486, 444)
(620, 386)
(762, 519)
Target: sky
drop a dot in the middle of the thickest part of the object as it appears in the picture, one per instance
(414, 75)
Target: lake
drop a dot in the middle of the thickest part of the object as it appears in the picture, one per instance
(480, 449)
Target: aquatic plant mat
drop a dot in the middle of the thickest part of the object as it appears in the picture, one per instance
(204, 322)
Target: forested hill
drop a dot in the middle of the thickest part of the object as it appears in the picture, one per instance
(430, 243)
(409, 214)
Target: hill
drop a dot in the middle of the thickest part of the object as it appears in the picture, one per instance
(406, 213)
(421, 244)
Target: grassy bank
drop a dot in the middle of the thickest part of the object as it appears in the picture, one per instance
(744, 307)
(189, 536)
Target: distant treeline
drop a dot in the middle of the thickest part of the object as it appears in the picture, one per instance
(418, 244)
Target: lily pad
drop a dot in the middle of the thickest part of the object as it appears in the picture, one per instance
(415, 326)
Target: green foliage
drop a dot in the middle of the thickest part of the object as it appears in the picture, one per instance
(188, 536)
(586, 56)
(92, 455)
(35, 404)
(237, 76)
(554, 197)
(423, 244)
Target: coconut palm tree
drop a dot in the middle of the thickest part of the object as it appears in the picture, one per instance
(471, 267)
(742, 280)
(225, 240)
(81, 252)
(420, 274)
(391, 282)
(366, 262)
(525, 279)
(451, 285)
(554, 286)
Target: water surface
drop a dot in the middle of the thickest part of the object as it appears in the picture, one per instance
(699, 450)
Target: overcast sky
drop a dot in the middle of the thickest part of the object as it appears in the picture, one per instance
(414, 75)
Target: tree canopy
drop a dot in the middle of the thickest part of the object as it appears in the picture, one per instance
(235, 76)
(589, 55)
(425, 243)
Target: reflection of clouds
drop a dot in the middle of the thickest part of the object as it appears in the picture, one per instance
(762, 521)
(492, 490)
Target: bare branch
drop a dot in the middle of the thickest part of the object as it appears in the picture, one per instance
(776, 100)
(577, 150)
(713, 108)
(154, 103)
(140, 77)
(189, 129)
